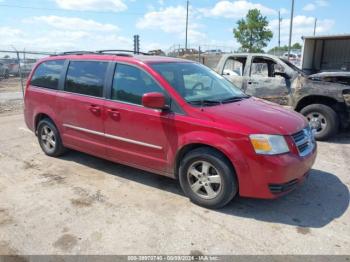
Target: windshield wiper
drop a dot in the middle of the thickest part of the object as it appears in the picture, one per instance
(234, 99)
(204, 102)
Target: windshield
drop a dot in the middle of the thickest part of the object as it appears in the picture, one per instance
(294, 67)
(198, 84)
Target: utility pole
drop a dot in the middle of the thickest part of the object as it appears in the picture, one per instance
(19, 69)
(188, 2)
(279, 28)
(291, 29)
(315, 26)
(136, 44)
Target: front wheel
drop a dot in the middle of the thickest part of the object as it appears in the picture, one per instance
(323, 119)
(207, 178)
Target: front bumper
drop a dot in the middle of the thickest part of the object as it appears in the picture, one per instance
(273, 176)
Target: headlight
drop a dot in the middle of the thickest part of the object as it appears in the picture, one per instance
(269, 144)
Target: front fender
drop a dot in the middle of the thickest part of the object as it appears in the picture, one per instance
(229, 147)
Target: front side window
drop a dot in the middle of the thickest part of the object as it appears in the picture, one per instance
(131, 83)
(234, 66)
(86, 77)
(48, 74)
(197, 83)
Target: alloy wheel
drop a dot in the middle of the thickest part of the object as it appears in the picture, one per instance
(48, 138)
(204, 179)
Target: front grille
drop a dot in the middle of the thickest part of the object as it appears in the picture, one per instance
(280, 188)
(304, 140)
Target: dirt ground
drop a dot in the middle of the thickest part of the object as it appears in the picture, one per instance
(12, 84)
(11, 98)
(79, 204)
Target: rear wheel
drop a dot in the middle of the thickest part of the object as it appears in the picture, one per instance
(49, 139)
(323, 119)
(207, 178)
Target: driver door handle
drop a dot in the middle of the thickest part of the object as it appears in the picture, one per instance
(114, 114)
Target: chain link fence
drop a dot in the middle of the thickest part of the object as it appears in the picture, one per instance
(15, 66)
(208, 55)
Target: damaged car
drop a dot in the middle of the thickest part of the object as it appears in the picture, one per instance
(325, 104)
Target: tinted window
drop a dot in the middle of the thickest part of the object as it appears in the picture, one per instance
(86, 77)
(47, 74)
(130, 83)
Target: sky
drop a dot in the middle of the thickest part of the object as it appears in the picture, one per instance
(62, 25)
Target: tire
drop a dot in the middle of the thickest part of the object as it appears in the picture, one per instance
(50, 139)
(322, 118)
(217, 166)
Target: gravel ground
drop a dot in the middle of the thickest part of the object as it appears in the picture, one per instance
(11, 98)
(79, 204)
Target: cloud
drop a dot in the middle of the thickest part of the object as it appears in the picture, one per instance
(309, 7)
(322, 3)
(236, 9)
(93, 5)
(284, 11)
(302, 26)
(173, 20)
(315, 4)
(55, 33)
(73, 23)
(9, 32)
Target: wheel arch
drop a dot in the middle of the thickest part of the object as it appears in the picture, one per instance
(39, 117)
(317, 99)
(195, 145)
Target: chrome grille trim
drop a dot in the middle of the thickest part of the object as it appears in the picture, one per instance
(304, 141)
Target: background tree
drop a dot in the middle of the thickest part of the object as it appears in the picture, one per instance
(252, 32)
(297, 46)
(283, 49)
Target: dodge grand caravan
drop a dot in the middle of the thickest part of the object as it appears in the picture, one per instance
(171, 117)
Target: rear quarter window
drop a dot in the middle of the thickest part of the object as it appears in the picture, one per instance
(47, 74)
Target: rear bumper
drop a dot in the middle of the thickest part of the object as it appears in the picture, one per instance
(274, 176)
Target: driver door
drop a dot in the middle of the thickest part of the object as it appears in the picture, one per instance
(266, 81)
(136, 135)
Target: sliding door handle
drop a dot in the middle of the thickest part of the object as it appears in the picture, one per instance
(96, 110)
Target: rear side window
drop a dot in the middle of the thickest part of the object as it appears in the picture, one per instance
(131, 83)
(86, 77)
(47, 74)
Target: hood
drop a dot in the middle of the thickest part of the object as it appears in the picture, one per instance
(331, 74)
(256, 116)
(321, 86)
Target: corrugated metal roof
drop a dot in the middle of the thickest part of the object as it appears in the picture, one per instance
(340, 36)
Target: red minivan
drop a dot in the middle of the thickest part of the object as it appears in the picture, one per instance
(172, 117)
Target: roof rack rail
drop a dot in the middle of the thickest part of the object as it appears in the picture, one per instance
(75, 53)
(120, 50)
(117, 52)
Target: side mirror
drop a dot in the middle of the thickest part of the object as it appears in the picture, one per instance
(154, 100)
